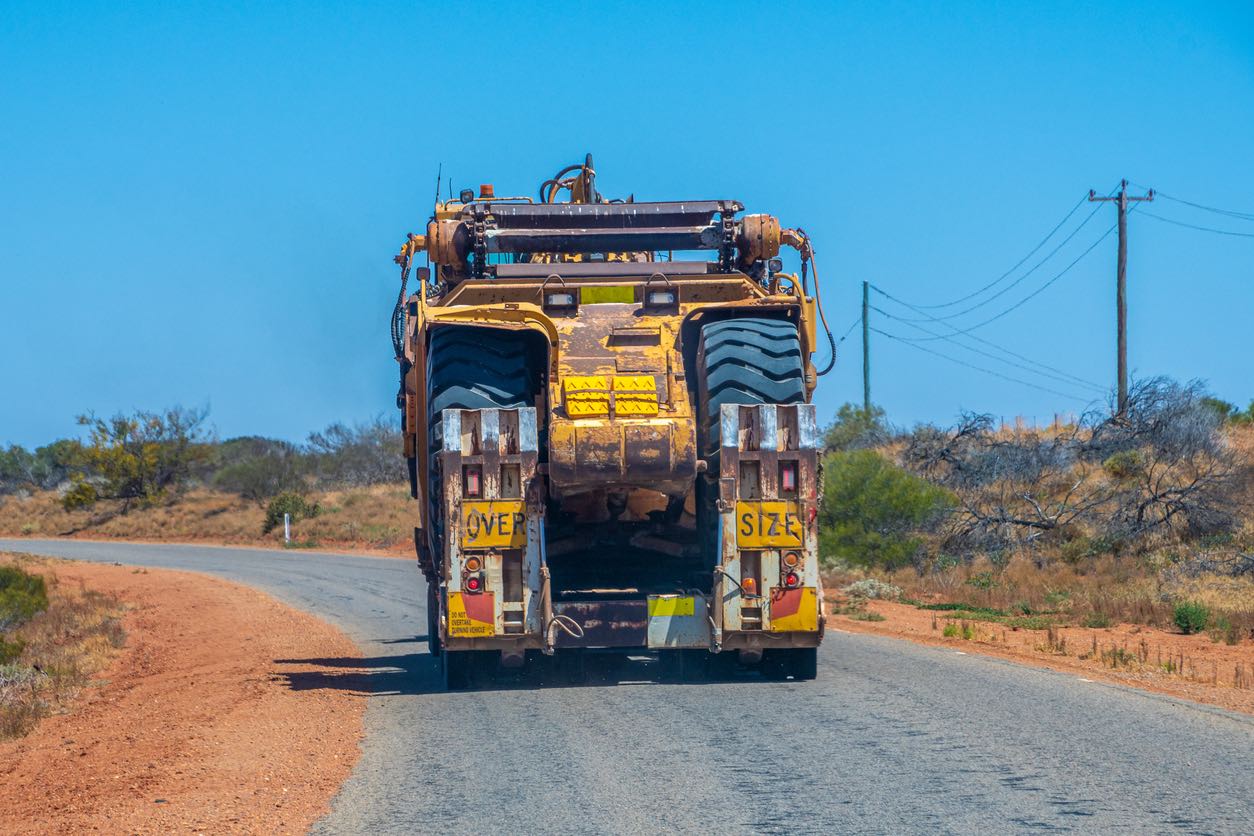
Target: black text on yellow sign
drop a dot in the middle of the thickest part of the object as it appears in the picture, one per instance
(768, 525)
(494, 524)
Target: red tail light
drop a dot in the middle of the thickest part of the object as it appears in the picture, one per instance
(792, 580)
(788, 477)
(474, 481)
(474, 583)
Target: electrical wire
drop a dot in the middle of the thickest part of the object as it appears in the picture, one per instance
(1231, 213)
(849, 330)
(1027, 298)
(1061, 378)
(1201, 228)
(1019, 280)
(1018, 264)
(958, 332)
(1029, 384)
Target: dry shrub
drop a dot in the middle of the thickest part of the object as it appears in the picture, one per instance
(75, 637)
(381, 516)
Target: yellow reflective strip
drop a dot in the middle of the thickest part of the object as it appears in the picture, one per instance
(613, 293)
(671, 605)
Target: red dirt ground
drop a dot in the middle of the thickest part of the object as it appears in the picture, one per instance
(194, 727)
(1214, 673)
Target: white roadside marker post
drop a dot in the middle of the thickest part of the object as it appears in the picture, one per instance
(287, 528)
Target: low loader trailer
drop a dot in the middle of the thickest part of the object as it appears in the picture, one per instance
(612, 449)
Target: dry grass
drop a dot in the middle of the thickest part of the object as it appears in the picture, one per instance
(1080, 583)
(379, 517)
(75, 637)
(1095, 593)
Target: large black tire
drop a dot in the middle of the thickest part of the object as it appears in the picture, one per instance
(471, 368)
(461, 669)
(747, 361)
(742, 361)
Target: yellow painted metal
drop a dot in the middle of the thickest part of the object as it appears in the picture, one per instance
(635, 394)
(805, 619)
(768, 524)
(461, 624)
(669, 605)
(493, 524)
(588, 396)
(611, 293)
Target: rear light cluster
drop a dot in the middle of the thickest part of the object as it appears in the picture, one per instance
(790, 570)
(472, 575)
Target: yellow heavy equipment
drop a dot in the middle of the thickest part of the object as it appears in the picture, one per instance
(607, 420)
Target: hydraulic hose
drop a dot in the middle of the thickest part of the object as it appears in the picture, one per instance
(807, 255)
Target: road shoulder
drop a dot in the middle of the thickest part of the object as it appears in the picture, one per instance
(200, 724)
(1186, 667)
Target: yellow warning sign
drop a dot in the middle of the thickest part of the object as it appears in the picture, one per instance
(493, 524)
(471, 616)
(768, 525)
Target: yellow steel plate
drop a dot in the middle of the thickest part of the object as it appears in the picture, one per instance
(471, 616)
(587, 395)
(612, 293)
(672, 605)
(493, 524)
(794, 610)
(769, 524)
(635, 394)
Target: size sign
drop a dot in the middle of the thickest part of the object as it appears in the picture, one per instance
(768, 525)
(494, 524)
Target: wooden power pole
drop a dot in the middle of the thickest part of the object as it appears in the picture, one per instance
(1121, 284)
(866, 352)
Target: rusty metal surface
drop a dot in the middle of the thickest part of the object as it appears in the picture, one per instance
(605, 623)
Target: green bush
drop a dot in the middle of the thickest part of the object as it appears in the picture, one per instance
(856, 428)
(22, 595)
(873, 511)
(1191, 617)
(288, 502)
(1126, 464)
(1096, 621)
(10, 650)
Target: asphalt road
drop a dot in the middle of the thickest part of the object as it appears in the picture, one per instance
(891, 738)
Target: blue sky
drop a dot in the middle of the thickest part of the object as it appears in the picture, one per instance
(199, 204)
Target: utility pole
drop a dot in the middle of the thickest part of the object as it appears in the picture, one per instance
(866, 351)
(1121, 284)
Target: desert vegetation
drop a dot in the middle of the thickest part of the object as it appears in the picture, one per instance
(165, 475)
(52, 639)
(1141, 517)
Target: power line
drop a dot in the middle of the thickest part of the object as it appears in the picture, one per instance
(1022, 301)
(989, 343)
(1017, 265)
(1231, 213)
(850, 329)
(1019, 280)
(959, 332)
(980, 368)
(1202, 228)
(1062, 377)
